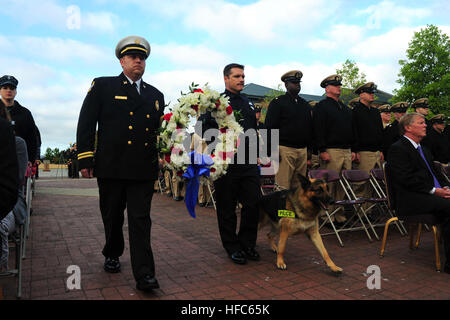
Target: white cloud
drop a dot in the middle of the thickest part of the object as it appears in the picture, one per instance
(51, 13)
(339, 36)
(100, 21)
(260, 21)
(190, 55)
(61, 50)
(384, 75)
(389, 11)
(388, 47)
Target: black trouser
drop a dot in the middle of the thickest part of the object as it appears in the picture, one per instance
(75, 173)
(136, 196)
(229, 190)
(69, 170)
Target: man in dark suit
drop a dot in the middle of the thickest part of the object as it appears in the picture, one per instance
(127, 111)
(419, 188)
(9, 182)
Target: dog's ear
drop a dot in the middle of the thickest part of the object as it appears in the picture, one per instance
(304, 181)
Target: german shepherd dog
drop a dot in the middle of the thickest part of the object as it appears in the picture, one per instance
(293, 211)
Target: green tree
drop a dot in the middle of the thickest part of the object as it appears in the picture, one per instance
(352, 78)
(48, 154)
(426, 71)
(54, 155)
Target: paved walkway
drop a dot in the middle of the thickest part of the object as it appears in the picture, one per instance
(66, 229)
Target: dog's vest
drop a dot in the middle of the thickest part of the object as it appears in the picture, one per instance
(275, 205)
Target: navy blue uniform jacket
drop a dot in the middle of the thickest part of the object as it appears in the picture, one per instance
(127, 129)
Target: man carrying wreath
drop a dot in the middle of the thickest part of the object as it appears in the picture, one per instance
(241, 182)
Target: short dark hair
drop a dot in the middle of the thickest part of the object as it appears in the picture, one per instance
(407, 120)
(227, 69)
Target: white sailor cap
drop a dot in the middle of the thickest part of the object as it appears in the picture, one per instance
(133, 45)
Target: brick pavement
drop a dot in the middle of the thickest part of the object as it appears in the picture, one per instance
(66, 229)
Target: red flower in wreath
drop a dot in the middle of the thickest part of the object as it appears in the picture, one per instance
(168, 116)
(225, 155)
(223, 130)
(167, 158)
(195, 107)
(180, 173)
(198, 90)
(229, 110)
(217, 103)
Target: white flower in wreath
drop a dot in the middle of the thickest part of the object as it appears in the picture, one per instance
(174, 125)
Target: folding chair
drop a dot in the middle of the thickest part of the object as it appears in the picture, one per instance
(412, 220)
(268, 184)
(350, 177)
(378, 184)
(28, 199)
(446, 171)
(34, 169)
(331, 176)
(16, 238)
(170, 186)
(442, 169)
(161, 182)
(211, 191)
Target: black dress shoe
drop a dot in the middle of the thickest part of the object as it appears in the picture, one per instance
(252, 254)
(202, 204)
(147, 283)
(178, 198)
(238, 257)
(112, 265)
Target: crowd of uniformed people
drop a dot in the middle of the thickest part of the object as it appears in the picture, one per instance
(123, 156)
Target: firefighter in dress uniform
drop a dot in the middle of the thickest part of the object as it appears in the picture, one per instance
(127, 111)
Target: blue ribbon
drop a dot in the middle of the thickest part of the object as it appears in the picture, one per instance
(200, 164)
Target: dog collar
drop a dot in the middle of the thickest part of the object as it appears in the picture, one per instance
(286, 214)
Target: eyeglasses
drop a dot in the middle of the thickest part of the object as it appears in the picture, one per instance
(9, 86)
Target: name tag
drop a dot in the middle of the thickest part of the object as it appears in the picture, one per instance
(286, 214)
(121, 98)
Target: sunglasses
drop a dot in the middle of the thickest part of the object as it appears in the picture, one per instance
(9, 86)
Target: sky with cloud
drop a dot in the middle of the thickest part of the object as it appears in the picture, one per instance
(56, 47)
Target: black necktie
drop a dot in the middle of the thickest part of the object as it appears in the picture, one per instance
(135, 86)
